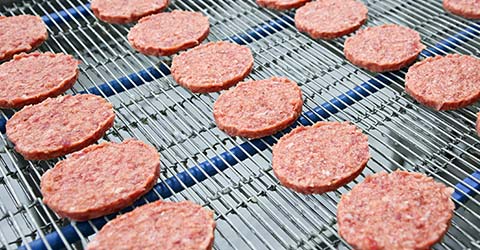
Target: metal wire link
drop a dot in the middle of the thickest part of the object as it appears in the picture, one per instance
(252, 210)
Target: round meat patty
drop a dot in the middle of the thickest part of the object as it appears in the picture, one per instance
(256, 109)
(100, 179)
(445, 82)
(400, 210)
(383, 48)
(212, 67)
(478, 124)
(31, 78)
(126, 11)
(328, 19)
(282, 4)
(165, 34)
(58, 126)
(465, 8)
(159, 225)
(20, 34)
(320, 158)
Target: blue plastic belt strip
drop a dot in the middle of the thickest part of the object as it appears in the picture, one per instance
(66, 15)
(473, 183)
(252, 147)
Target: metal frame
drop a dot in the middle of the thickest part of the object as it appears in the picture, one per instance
(233, 176)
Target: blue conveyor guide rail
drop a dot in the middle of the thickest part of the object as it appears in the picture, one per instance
(232, 176)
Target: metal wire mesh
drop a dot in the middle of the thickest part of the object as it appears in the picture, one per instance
(252, 210)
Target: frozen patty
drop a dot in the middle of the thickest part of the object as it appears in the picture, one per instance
(20, 34)
(126, 11)
(320, 158)
(328, 19)
(281, 4)
(256, 109)
(445, 82)
(100, 179)
(465, 8)
(167, 33)
(159, 225)
(383, 48)
(212, 67)
(401, 210)
(59, 126)
(31, 78)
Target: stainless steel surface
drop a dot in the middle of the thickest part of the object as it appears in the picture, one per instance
(6, 1)
(252, 210)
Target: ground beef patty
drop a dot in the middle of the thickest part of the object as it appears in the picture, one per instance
(445, 82)
(320, 158)
(31, 78)
(383, 48)
(58, 126)
(465, 8)
(256, 109)
(212, 67)
(328, 19)
(478, 124)
(400, 210)
(165, 34)
(159, 225)
(100, 179)
(281, 4)
(126, 11)
(20, 34)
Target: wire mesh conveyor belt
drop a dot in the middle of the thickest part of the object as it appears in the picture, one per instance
(232, 176)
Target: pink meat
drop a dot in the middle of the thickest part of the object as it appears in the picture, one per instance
(58, 126)
(445, 82)
(477, 125)
(383, 48)
(165, 34)
(400, 210)
(328, 19)
(126, 11)
(282, 4)
(466, 8)
(31, 78)
(320, 158)
(255, 109)
(212, 67)
(100, 179)
(159, 225)
(20, 34)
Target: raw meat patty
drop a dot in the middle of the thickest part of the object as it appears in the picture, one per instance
(400, 210)
(465, 8)
(31, 78)
(212, 67)
(478, 124)
(126, 11)
(20, 34)
(328, 19)
(281, 4)
(159, 225)
(100, 179)
(383, 48)
(58, 126)
(320, 158)
(445, 82)
(256, 109)
(165, 34)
